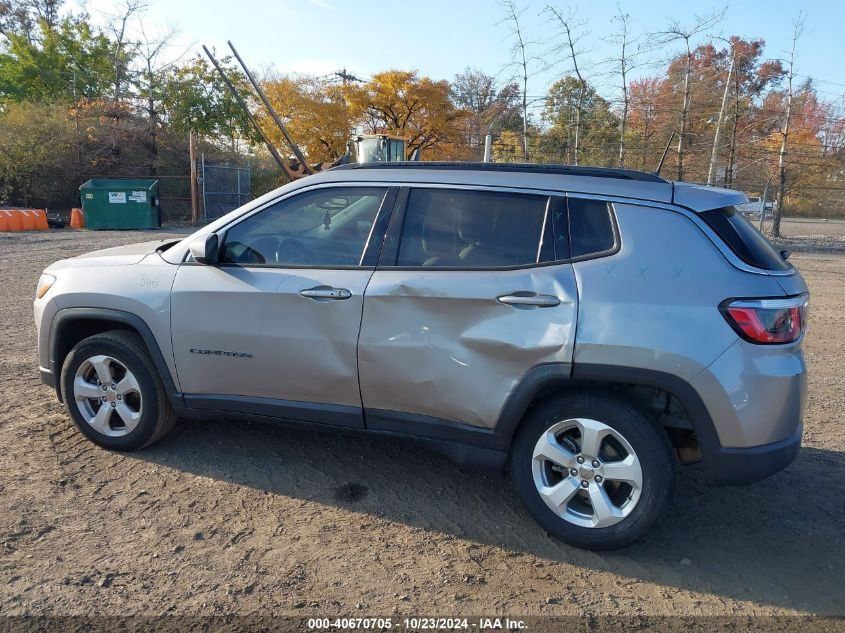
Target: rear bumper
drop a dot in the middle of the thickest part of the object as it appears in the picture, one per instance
(724, 466)
(755, 396)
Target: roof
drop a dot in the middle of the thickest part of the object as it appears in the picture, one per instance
(608, 181)
(532, 168)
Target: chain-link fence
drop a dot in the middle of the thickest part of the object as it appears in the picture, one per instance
(224, 187)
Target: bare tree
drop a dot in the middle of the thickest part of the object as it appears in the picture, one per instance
(117, 26)
(797, 32)
(630, 53)
(46, 10)
(711, 170)
(569, 41)
(623, 19)
(20, 17)
(151, 50)
(686, 33)
(522, 62)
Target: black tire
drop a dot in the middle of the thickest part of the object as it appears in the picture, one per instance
(157, 416)
(649, 442)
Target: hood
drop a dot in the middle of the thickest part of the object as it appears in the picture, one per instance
(115, 256)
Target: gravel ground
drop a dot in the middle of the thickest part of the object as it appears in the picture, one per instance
(233, 518)
(807, 235)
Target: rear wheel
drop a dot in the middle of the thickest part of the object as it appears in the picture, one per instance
(113, 392)
(593, 470)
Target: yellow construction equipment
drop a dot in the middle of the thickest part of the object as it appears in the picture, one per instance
(362, 148)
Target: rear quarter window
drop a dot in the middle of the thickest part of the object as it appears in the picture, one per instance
(743, 239)
(591, 229)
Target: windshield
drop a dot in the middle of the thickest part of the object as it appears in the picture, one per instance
(372, 150)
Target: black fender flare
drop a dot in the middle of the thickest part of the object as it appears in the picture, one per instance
(66, 316)
(565, 376)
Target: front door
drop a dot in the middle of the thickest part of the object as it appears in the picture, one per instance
(468, 297)
(273, 328)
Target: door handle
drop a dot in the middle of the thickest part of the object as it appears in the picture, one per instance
(530, 299)
(326, 293)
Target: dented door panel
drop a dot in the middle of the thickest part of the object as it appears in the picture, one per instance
(250, 332)
(440, 343)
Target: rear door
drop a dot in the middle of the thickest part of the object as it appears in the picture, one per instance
(273, 328)
(469, 295)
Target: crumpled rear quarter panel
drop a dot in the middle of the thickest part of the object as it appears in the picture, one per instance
(655, 304)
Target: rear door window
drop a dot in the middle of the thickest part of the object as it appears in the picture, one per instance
(743, 239)
(455, 228)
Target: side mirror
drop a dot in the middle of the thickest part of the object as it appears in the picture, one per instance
(205, 249)
(785, 254)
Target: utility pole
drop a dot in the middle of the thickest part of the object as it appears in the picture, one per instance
(347, 77)
(195, 201)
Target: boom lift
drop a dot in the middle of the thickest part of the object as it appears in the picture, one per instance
(362, 148)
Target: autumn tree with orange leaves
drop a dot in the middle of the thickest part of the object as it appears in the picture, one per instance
(417, 108)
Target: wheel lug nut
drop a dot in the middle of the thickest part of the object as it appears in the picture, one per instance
(580, 459)
(113, 405)
(119, 397)
(584, 484)
(104, 398)
(596, 463)
(573, 472)
(598, 479)
(104, 388)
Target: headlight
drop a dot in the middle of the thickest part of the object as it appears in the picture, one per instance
(45, 281)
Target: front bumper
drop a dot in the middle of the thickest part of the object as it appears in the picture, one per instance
(47, 377)
(739, 466)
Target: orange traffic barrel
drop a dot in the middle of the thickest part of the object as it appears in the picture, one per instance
(41, 220)
(4, 221)
(77, 219)
(27, 220)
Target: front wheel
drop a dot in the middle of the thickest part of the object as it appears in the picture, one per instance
(593, 470)
(113, 392)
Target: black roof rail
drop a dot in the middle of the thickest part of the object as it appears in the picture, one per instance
(532, 168)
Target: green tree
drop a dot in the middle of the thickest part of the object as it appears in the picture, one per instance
(63, 64)
(36, 153)
(598, 124)
(194, 96)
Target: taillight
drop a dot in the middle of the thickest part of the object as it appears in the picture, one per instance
(767, 321)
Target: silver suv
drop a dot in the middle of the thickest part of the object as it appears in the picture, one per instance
(586, 329)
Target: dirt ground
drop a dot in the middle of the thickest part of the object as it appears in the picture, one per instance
(233, 518)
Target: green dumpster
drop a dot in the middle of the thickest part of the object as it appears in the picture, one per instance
(120, 203)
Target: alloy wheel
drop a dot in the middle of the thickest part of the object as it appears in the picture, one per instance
(587, 473)
(107, 395)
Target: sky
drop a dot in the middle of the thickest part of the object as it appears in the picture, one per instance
(440, 38)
